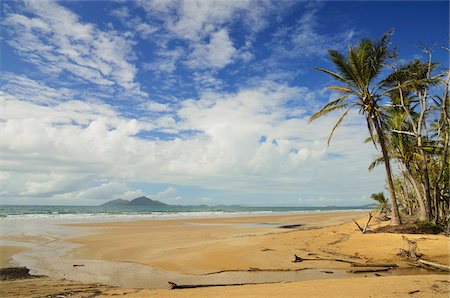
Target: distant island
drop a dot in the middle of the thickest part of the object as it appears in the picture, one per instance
(141, 201)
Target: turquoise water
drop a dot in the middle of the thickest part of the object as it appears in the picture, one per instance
(16, 211)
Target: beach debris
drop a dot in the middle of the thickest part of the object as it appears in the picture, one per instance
(413, 250)
(412, 292)
(387, 265)
(253, 269)
(78, 265)
(175, 286)
(414, 255)
(364, 230)
(327, 272)
(294, 226)
(351, 262)
(435, 265)
(297, 259)
(369, 270)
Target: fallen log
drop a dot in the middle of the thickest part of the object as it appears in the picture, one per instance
(435, 265)
(369, 270)
(319, 258)
(252, 269)
(351, 262)
(392, 265)
(174, 286)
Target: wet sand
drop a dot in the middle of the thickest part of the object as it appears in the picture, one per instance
(6, 253)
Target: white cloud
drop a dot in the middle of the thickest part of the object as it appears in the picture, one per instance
(154, 106)
(55, 39)
(106, 191)
(204, 25)
(168, 195)
(134, 22)
(217, 53)
(27, 89)
(244, 142)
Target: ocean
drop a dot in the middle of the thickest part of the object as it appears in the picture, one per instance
(96, 213)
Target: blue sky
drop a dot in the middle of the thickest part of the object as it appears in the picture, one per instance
(189, 102)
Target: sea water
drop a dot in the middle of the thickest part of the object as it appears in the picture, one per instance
(103, 213)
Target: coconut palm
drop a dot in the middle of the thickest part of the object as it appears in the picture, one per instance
(383, 204)
(356, 74)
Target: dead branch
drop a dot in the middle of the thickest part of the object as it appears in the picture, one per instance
(435, 265)
(253, 269)
(413, 251)
(175, 286)
(367, 223)
(359, 227)
(391, 265)
(364, 230)
(351, 262)
(369, 270)
(320, 258)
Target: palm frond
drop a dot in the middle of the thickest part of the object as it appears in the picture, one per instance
(379, 160)
(325, 110)
(337, 124)
(341, 89)
(333, 74)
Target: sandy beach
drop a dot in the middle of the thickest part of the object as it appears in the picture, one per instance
(140, 257)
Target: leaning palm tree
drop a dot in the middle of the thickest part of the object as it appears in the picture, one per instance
(356, 74)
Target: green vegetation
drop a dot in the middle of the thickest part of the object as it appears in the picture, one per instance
(407, 115)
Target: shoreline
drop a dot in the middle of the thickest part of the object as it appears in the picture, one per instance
(149, 253)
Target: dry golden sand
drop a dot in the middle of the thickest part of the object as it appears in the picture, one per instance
(196, 247)
(425, 286)
(199, 246)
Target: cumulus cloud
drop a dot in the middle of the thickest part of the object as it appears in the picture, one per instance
(217, 53)
(169, 195)
(243, 141)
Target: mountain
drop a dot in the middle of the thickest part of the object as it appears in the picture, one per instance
(141, 201)
(144, 201)
(117, 202)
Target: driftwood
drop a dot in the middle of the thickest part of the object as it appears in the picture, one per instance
(367, 223)
(413, 251)
(364, 230)
(252, 269)
(369, 270)
(351, 262)
(374, 265)
(413, 254)
(175, 286)
(435, 265)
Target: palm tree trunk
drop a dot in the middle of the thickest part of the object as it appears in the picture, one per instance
(424, 213)
(395, 217)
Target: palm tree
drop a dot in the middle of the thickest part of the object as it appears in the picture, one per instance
(356, 74)
(415, 78)
(383, 203)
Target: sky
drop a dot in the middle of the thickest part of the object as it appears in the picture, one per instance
(190, 101)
